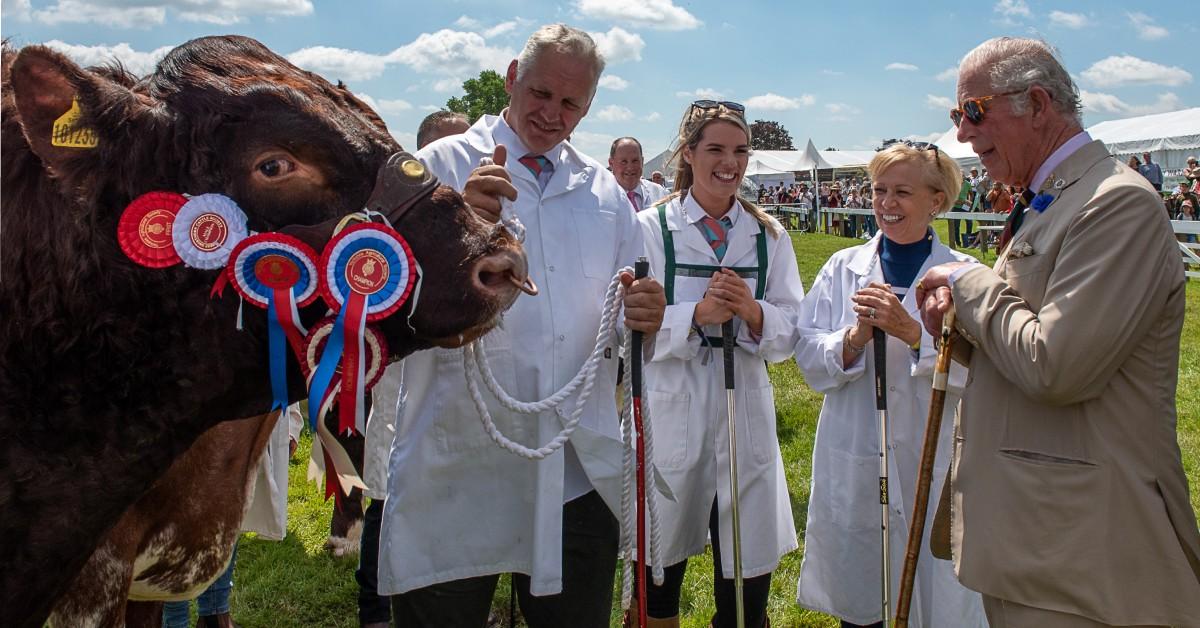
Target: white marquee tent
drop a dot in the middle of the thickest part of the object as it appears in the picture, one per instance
(1169, 137)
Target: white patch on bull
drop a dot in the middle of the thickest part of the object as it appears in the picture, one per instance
(98, 606)
(346, 545)
(190, 572)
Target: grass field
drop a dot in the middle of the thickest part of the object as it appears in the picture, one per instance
(296, 583)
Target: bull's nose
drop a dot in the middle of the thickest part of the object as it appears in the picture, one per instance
(503, 272)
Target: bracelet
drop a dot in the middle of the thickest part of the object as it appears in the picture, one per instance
(916, 346)
(850, 345)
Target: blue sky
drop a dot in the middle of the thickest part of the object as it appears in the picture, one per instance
(846, 74)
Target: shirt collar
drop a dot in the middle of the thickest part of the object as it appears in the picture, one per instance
(1060, 155)
(505, 135)
(693, 212)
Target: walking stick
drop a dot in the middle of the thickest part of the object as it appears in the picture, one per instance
(933, 426)
(727, 347)
(885, 518)
(640, 269)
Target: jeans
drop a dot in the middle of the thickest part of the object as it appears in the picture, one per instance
(214, 600)
(589, 561)
(371, 607)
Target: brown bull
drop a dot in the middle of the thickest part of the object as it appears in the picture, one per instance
(110, 371)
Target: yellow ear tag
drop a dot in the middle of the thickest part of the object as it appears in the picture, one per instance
(67, 133)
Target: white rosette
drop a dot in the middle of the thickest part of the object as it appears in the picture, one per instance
(206, 230)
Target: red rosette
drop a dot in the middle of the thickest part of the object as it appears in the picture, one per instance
(314, 346)
(144, 230)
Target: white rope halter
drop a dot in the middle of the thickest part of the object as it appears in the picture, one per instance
(475, 364)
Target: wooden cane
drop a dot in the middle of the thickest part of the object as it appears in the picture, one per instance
(933, 426)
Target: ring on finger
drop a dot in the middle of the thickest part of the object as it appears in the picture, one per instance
(871, 312)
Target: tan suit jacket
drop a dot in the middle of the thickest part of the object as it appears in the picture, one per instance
(1068, 491)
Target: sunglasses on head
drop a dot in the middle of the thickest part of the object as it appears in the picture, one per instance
(713, 104)
(922, 146)
(972, 108)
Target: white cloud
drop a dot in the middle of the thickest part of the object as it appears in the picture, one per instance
(833, 73)
(388, 107)
(452, 53)
(448, 85)
(339, 63)
(774, 102)
(655, 14)
(1130, 70)
(619, 45)
(702, 93)
(906, 67)
(592, 143)
(614, 113)
(939, 102)
(433, 108)
(139, 63)
(472, 24)
(502, 28)
(149, 13)
(475, 26)
(842, 108)
(654, 116)
(409, 142)
(1146, 27)
(615, 83)
(1101, 103)
(1069, 20)
(1012, 8)
(19, 10)
(949, 74)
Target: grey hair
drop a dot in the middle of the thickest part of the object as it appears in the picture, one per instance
(1017, 64)
(562, 39)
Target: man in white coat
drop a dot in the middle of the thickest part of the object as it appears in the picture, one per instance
(625, 162)
(460, 510)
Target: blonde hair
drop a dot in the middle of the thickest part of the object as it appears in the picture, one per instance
(691, 128)
(938, 170)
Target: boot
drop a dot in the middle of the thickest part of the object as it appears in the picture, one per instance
(216, 621)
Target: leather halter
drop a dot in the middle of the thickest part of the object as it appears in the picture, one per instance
(401, 183)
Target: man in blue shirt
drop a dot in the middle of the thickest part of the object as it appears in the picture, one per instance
(1151, 171)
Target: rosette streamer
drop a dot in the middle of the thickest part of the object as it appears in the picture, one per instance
(368, 272)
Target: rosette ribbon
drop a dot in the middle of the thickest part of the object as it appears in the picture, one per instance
(278, 273)
(367, 273)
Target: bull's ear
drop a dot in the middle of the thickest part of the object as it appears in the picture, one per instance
(62, 105)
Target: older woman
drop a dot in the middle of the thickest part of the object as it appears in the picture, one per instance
(720, 258)
(860, 289)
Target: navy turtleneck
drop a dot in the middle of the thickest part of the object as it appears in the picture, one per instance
(902, 262)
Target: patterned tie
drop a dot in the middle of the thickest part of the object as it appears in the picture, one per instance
(715, 232)
(633, 201)
(1015, 218)
(537, 164)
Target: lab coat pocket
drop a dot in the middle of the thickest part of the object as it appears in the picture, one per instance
(853, 494)
(760, 423)
(670, 415)
(596, 231)
(458, 427)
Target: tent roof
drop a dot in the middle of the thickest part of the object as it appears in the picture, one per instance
(1175, 130)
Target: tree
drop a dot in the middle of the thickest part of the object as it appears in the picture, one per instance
(770, 135)
(483, 95)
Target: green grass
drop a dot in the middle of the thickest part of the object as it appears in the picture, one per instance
(296, 583)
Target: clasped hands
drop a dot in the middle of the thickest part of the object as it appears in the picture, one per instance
(645, 300)
(877, 306)
(728, 296)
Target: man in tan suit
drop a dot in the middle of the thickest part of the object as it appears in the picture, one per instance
(1068, 503)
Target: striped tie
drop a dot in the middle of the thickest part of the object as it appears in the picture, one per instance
(536, 164)
(1015, 218)
(715, 232)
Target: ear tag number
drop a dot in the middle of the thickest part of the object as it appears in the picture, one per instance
(68, 133)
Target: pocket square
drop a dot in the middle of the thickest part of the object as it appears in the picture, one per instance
(1021, 249)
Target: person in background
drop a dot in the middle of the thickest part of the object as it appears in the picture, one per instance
(1151, 171)
(961, 204)
(1000, 198)
(859, 289)
(625, 162)
(657, 178)
(1067, 475)
(1192, 175)
(1134, 163)
(709, 227)
(440, 124)
(460, 510)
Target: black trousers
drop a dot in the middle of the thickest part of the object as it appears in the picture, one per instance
(371, 607)
(590, 539)
(663, 601)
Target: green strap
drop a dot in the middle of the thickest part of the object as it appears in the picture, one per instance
(672, 270)
(669, 251)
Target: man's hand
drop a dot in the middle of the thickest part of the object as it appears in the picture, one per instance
(645, 303)
(487, 185)
(934, 297)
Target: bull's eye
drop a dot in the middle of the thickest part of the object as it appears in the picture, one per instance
(276, 167)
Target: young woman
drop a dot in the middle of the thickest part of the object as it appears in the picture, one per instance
(719, 258)
(859, 289)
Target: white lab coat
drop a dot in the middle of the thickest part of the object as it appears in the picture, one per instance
(266, 502)
(687, 400)
(650, 192)
(840, 574)
(458, 505)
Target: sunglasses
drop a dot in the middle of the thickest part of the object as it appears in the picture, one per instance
(922, 146)
(972, 108)
(705, 105)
